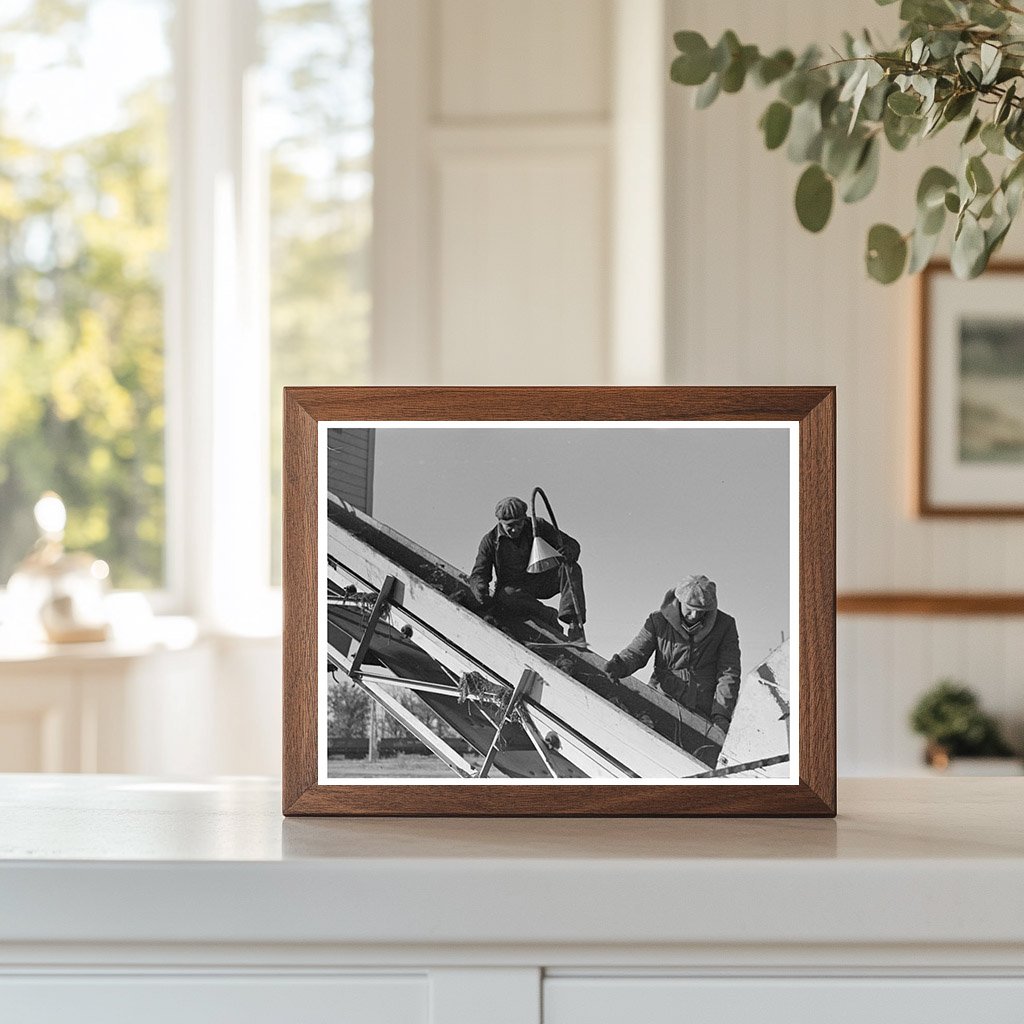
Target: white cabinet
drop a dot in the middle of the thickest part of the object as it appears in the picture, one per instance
(824, 1000)
(205, 999)
(126, 899)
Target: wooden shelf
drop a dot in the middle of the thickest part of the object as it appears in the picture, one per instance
(928, 603)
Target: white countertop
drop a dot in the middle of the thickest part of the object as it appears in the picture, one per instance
(123, 859)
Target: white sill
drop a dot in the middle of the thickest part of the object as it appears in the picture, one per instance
(137, 631)
(159, 633)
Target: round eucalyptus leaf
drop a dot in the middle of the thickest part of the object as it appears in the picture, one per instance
(771, 69)
(944, 44)
(794, 89)
(805, 133)
(735, 74)
(725, 50)
(968, 248)
(839, 151)
(952, 202)
(973, 130)
(931, 221)
(958, 106)
(900, 130)
(689, 42)
(865, 173)
(987, 15)
(775, 123)
(814, 193)
(827, 105)
(707, 93)
(991, 61)
(993, 138)
(693, 65)
(903, 103)
(934, 184)
(874, 103)
(887, 253)
(978, 176)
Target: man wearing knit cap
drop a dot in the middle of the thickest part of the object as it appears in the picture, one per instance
(504, 553)
(696, 650)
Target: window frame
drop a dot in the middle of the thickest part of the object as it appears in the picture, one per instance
(217, 350)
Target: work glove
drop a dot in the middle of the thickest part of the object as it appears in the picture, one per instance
(615, 668)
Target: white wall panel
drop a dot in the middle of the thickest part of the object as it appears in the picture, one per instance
(521, 293)
(666, 1000)
(530, 58)
(493, 241)
(754, 299)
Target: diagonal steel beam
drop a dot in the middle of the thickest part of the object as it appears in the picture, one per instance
(383, 597)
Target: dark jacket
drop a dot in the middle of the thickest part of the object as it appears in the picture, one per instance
(506, 559)
(701, 670)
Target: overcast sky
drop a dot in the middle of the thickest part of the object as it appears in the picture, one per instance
(648, 505)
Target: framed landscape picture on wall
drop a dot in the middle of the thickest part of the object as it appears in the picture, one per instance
(970, 451)
(559, 601)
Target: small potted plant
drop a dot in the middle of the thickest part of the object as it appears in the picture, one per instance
(950, 717)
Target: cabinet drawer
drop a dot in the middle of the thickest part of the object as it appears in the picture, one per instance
(670, 1000)
(205, 999)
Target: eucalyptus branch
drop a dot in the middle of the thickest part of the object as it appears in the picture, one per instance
(833, 117)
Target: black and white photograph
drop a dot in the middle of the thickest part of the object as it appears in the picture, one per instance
(531, 602)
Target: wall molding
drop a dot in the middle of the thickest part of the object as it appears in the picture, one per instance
(928, 603)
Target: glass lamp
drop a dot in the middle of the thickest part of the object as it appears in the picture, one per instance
(55, 595)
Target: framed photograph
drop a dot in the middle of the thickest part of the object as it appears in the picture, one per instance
(559, 601)
(970, 451)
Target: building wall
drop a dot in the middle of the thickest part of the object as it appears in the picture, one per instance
(350, 465)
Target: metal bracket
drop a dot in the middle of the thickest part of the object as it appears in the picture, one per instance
(523, 687)
(379, 605)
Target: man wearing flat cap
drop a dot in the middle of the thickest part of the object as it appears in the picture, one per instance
(504, 553)
(696, 650)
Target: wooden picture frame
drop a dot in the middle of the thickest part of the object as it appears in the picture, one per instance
(969, 448)
(805, 415)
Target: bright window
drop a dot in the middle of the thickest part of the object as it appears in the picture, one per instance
(83, 238)
(317, 118)
(167, 264)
